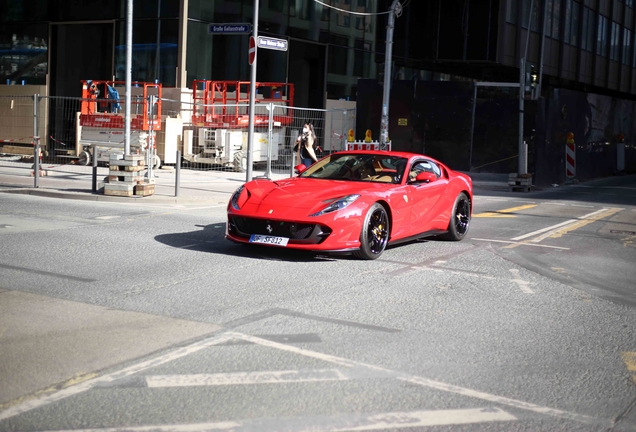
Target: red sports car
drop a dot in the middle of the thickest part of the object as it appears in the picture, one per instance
(354, 201)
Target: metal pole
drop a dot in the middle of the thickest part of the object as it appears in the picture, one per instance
(250, 132)
(129, 15)
(384, 127)
(522, 166)
(151, 148)
(545, 14)
(472, 129)
(158, 40)
(36, 143)
(177, 178)
(94, 168)
(270, 139)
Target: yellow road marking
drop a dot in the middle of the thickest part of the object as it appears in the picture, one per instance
(503, 213)
(607, 213)
(630, 361)
(77, 379)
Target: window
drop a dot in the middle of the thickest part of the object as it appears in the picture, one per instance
(424, 166)
(360, 22)
(615, 41)
(587, 36)
(556, 19)
(627, 46)
(534, 24)
(568, 22)
(601, 38)
(574, 29)
(338, 51)
(511, 11)
(571, 22)
(276, 5)
(325, 15)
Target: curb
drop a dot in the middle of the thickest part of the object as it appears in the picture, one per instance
(222, 198)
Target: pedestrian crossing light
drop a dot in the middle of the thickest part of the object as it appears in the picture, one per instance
(531, 81)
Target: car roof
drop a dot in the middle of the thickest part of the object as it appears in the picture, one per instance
(406, 155)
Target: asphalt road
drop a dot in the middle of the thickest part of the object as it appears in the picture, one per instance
(121, 317)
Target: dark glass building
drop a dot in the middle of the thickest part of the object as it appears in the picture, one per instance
(58, 43)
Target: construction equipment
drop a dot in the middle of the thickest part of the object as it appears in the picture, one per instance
(220, 120)
(101, 122)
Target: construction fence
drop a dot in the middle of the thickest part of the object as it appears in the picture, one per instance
(71, 133)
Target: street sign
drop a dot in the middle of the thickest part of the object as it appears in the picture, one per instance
(272, 43)
(230, 28)
(252, 50)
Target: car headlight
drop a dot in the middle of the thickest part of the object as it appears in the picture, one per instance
(335, 205)
(236, 200)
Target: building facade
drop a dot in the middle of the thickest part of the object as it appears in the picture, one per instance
(58, 43)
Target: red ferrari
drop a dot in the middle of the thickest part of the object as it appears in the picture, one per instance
(355, 201)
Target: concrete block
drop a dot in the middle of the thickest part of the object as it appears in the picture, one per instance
(119, 186)
(124, 162)
(134, 157)
(145, 189)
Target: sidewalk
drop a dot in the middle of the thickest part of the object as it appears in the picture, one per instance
(196, 187)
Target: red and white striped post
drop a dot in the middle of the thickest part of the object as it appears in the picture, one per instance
(570, 157)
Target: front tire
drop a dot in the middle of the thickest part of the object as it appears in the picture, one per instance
(374, 235)
(460, 219)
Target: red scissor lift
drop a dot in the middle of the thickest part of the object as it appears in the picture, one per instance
(221, 118)
(101, 119)
(222, 104)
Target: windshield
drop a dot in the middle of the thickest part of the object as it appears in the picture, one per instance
(358, 167)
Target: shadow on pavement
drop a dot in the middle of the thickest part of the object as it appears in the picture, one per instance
(212, 240)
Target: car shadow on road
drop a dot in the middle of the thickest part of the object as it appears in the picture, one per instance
(211, 239)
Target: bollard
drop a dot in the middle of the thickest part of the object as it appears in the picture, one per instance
(177, 176)
(94, 169)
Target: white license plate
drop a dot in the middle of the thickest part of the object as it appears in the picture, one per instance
(276, 241)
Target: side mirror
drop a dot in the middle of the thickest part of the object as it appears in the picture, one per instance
(300, 168)
(425, 177)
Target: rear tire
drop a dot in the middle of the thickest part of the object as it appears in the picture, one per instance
(460, 219)
(374, 235)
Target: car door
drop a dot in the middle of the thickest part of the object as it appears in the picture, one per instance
(426, 196)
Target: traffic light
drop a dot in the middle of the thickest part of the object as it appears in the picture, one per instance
(531, 79)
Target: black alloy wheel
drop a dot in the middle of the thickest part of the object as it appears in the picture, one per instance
(460, 219)
(375, 233)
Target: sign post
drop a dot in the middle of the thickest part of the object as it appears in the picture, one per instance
(252, 50)
(250, 129)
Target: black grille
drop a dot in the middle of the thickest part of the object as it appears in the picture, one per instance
(244, 227)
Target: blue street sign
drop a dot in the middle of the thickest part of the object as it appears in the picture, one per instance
(272, 43)
(231, 28)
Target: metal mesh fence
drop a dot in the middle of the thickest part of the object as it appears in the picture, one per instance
(214, 136)
(74, 131)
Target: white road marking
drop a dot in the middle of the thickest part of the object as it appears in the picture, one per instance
(428, 382)
(107, 217)
(126, 372)
(521, 243)
(347, 422)
(430, 418)
(557, 226)
(245, 378)
(360, 366)
(523, 285)
(582, 205)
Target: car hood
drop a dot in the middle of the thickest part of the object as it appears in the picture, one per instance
(299, 197)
